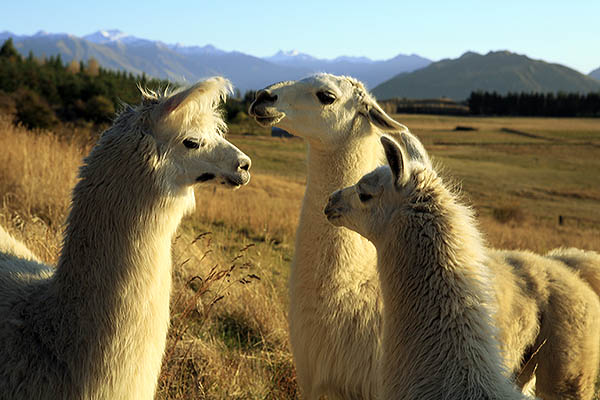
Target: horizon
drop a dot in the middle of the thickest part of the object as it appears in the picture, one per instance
(545, 30)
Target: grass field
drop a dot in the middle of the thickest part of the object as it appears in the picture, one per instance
(229, 330)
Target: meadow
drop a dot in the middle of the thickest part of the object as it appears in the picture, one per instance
(534, 183)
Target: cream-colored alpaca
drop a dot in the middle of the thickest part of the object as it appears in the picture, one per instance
(443, 291)
(335, 307)
(438, 339)
(9, 246)
(96, 328)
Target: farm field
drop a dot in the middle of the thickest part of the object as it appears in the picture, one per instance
(534, 182)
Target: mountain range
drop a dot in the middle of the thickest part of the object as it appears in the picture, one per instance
(116, 50)
(409, 76)
(499, 71)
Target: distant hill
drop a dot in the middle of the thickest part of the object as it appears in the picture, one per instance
(595, 73)
(117, 50)
(500, 71)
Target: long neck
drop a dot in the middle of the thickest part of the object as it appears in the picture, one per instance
(322, 250)
(437, 313)
(113, 279)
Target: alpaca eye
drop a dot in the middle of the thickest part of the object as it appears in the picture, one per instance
(191, 144)
(364, 197)
(325, 97)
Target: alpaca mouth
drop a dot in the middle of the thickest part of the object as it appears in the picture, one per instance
(332, 213)
(265, 116)
(334, 219)
(268, 120)
(235, 181)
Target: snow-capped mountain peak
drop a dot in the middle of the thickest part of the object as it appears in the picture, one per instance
(110, 35)
(290, 55)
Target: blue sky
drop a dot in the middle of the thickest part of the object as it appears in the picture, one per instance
(566, 32)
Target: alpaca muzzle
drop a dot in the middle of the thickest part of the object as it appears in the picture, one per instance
(263, 110)
(334, 210)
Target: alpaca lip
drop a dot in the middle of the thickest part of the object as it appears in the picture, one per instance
(268, 121)
(332, 213)
(237, 180)
(265, 116)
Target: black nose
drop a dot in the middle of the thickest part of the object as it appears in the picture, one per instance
(263, 96)
(244, 164)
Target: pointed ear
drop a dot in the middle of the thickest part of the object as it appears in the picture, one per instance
(414, 148)
(397, 160)
(213, 89)
(380, 119)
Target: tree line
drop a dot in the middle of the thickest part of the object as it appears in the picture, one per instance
(40, 93)
(535, 104)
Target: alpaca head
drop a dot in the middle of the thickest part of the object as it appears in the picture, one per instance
(188, 130)
(324, 109)
(180, 136)
(369, 206)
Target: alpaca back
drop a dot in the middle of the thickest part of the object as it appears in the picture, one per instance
(11, 246)
(585, 263)
(18, 269)
(549, 319)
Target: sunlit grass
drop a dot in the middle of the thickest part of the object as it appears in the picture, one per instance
(229, 339)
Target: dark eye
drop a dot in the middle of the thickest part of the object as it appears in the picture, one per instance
(325, 97)
(364, 197)
(191, 144)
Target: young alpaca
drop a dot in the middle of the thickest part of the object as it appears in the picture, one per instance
(439, 279)
(335, 307)
(96, 327)
(438, 339)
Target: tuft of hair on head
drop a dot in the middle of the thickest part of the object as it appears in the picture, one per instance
(194, 107)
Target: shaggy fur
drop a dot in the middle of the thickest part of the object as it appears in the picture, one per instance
(96, 327)
(335, 307)
(445, 295)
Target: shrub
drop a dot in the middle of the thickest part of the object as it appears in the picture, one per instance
(33, 110)
(507, 213)
(99, 109)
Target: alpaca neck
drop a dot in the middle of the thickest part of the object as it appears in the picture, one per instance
(113, 281)
(436, 309)
(317, 240)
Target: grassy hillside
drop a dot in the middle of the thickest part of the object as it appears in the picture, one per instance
(229, 330)
(500, 71)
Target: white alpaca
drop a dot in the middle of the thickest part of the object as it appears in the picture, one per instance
(438, 339)
(443, 290)
(335, 307)
(96, 328)
(9, 246)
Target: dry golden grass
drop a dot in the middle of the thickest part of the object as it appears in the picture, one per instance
(229, 330)
(268, 208)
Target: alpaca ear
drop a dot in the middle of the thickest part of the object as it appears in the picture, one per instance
(397, 160)
(414, 148)
(215, 89)
(380, 119)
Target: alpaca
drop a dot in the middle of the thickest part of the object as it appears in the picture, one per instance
(9, 246)
(335, 307)
(96, 328)
(459, 317)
